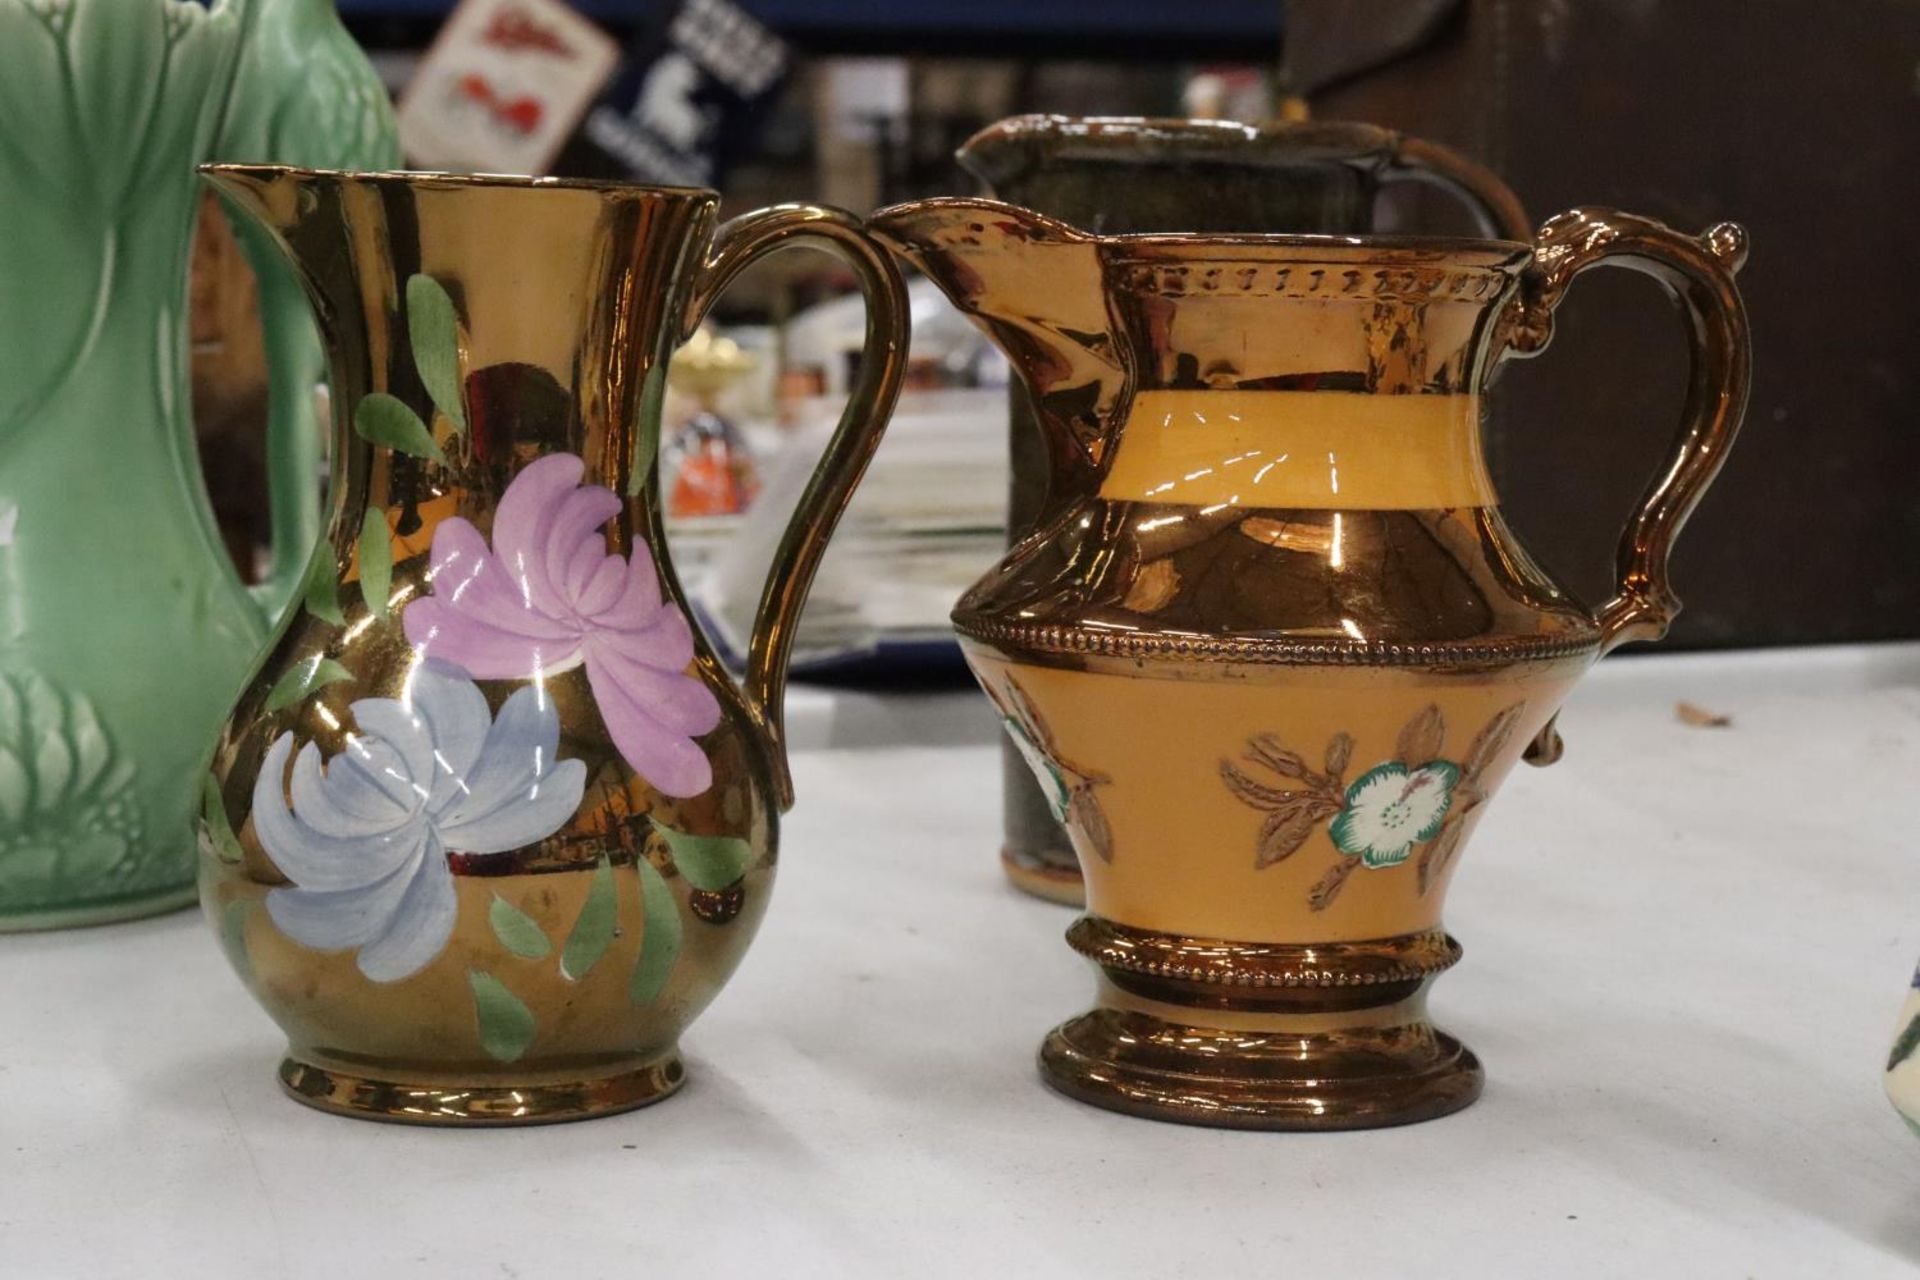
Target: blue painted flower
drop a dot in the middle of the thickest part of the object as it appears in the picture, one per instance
(366, 840)
(1391, 808)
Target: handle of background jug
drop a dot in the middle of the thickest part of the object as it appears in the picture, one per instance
(1494, 205)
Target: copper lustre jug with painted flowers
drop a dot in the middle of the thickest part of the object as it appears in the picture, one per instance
(1274, 650)
(491, 825)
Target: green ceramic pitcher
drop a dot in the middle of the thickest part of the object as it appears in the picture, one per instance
(124, 630)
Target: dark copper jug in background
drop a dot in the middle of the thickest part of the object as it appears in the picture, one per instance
(1120, 175)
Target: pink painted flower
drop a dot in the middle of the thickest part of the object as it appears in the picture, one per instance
(548, 597)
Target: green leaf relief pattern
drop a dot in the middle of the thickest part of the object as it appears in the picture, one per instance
(376, 563)
(294, 687)
(434, 331)
(1905, 1044)
(506, 1025)
(213, 812)
(593, 927)
(660, 943)
(708, 862)
(322, 596)
(517, 930)
(68, 817)
(386, 420)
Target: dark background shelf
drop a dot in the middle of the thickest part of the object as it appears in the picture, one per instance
(1240, 30)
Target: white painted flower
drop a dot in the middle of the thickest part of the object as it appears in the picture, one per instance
(1391, 808)
(366, 840)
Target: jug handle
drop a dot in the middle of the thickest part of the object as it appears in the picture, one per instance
(869, 405)
(1494, 205)
(1698, 273)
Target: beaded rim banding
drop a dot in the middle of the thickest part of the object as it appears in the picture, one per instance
(1056, 638)
(1244, 964)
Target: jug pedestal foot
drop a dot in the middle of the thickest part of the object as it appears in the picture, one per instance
(448, 1101)
(1262, 1036)
(1043, 879)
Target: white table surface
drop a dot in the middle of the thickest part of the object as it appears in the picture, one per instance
(1685, 949)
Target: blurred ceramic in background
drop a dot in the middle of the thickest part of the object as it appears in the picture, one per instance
(492, 825)
(124, 628)
(1903, 1060)
(1271, 648)
(305, 95)
(711, 466)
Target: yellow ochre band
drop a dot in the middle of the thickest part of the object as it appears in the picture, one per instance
(1326, 450)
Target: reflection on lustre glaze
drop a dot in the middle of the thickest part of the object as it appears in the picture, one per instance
(548, 596)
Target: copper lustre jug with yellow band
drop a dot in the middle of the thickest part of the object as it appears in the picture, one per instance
(1118, 175)
(492, 825)
(1276, 650)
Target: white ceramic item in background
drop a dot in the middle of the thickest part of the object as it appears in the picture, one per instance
(1903, 1063)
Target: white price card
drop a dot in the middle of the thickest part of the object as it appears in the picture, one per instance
(503, 86)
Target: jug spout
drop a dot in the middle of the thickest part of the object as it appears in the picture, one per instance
(1034, 285)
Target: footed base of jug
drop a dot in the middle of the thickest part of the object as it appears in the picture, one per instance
(1259, 1036)
(453, 1103)
(1190, 1074)
(1044, 879)
(110, 911)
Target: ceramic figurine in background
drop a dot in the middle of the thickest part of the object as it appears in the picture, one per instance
(1272, 649)
(712, 468)
(305, 95)
(124, 629)
(1116, 175)
(1903, 1060)
(492, 825)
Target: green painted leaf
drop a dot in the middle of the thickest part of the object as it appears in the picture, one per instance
(233, 938)
(1904, 1046)
(660, 943)
(593, 927)
(434, 331)
(376, 562)
(314, 673)
(322, 596)
(517, 930)
(387, 420)
(213, 810)
(653, 399)
(708, 862)
(506, 1024)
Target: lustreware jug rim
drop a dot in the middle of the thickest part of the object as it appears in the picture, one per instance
(1447, 246)
(1099, 132)
(436, 177)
